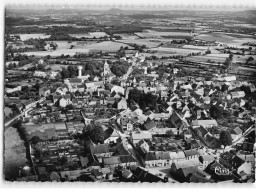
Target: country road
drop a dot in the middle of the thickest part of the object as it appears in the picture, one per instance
(9, 122)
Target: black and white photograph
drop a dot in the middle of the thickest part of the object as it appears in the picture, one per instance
(128, 93)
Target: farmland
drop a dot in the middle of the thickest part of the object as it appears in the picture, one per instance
(153, 34)
(14, 149)
(24, 37)
(89, 35)
(226, 38)
(64, 48)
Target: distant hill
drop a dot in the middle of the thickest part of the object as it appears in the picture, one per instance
(115, 11)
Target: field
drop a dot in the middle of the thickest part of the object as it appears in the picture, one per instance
(24, 37)
(14, 153)
(128, 36)
(89, 35)
(227, 38)
(148, 42)
(64, 48)
(7, 111)
(174, 34)
(177, 51)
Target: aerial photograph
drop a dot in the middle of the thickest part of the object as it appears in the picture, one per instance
(118, 94)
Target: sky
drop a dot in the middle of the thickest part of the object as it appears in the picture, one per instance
(228, 5)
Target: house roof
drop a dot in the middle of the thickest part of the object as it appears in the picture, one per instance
(188, 170)
(226, 156)
(54, 176)
(204, 123)
(84, 161)
(236, 131)
(190, 152)
(111, 160)
(149, 125)
(75, 80)
(127, 158)
(187, 163)
(99, 149)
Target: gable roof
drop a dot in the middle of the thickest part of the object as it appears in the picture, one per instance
(99, 149)
(190, 152)
(149, 125)
(75, 80)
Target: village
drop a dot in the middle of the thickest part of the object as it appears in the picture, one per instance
(127, 116)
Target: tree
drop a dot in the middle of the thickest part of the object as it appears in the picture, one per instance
(35, 139)
(225, 138)
(65, 73)
(38, 105)
(134, 95)
(63, 160)
(58, 77)
(95, 132)
(170, 133)
(69, 107)
(227, 63)
(40, 67)
(115, 81)
(38, 153)
(215, 112)
(208, 52)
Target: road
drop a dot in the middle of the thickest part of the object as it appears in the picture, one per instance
(9, 122)
(125, 77)
(249, 130)
(21, 114)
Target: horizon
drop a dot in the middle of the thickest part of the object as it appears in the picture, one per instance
(134, 5)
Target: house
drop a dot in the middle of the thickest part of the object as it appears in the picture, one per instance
(246, 168)
(183, 174)
(236, 133)
(142, 175)
(225, 159)
(100, 151)
(122, 104)
(121, 160)
(206, 159)
(65, 100)
(29, 104)
(40, 74)
(206, 100)
(204, 123)
(217, 176)
(136, 137)
(117, 89)
(175, 166)
(54, 176)
(150, 125)
(56, 98)
(75, 81)
(44, 91)
(191, 154)
(237, 94)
